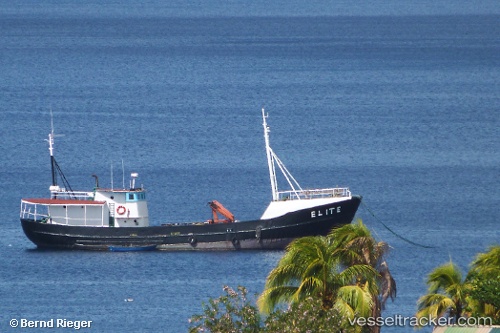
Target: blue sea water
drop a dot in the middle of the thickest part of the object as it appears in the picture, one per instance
(398, 101)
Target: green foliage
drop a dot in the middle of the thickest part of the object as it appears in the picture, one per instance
(310, 268)
(234, 313)
(484, 285)
(308, 316)
(326, 282)
(446, 296)
(354, 245)
(230, 313)
(488, 262)
(486, 288)
(478, 295)
(484, 296)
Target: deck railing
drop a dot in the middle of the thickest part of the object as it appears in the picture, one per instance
(71, 195)
(337, 192)
(40, 213)
(32, 211)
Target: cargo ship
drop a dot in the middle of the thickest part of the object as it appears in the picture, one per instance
(116, 219)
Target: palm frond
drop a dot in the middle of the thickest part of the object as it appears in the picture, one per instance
(351, 274)
(316, 268)
(271, 297)
(303, 250)
(343, 235)
(354, 300)
(283, 275)
(309, 286)
(387, 284)
(487, 262)
(435, 305)
(347, 256)
(444, 277)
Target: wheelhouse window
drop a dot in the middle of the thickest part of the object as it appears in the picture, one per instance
(136, 196)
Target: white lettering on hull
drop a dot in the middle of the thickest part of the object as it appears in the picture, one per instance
(326, 212)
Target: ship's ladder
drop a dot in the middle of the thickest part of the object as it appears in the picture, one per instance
(112, 209)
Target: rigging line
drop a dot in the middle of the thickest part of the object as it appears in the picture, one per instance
(393, 232)
(64, 180)
(287, 172)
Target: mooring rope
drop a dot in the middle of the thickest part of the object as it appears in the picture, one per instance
(393, 232)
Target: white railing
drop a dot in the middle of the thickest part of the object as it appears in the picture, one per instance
(40, 213)
(72, 195)
(337, 192)
(31, 211)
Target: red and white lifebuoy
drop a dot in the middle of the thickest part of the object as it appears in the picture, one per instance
(121, 210)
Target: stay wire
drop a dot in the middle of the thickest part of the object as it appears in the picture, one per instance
(393, 232)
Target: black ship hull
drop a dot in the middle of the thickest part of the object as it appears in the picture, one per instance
(273, 233)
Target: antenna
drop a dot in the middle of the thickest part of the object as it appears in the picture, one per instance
(50, 140)
(123, 175)
(111, 175)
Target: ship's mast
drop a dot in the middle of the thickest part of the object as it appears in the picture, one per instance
(270, 158)
(55, 169)
(50, 140)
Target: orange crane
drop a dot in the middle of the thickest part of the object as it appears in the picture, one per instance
(217, 209)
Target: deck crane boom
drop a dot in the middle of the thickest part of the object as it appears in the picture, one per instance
(218, 208)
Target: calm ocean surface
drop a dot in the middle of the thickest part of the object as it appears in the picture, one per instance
(400, 102)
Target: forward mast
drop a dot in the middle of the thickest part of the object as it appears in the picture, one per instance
(296, 192)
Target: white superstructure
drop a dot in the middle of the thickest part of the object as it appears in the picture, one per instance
(100, 208)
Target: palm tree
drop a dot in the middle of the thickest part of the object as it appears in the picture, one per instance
(446, 293)
(488, 262)
(310, 268)
(354, 245)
